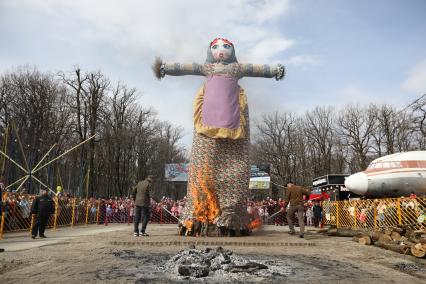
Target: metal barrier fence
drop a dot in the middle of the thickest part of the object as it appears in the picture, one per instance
(376, 213)
(16, 213)
(355, 214)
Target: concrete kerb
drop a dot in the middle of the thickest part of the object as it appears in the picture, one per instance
(213, 243)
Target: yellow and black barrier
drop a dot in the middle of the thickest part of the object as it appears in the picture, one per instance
(376, 213)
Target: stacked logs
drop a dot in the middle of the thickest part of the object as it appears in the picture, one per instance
(401, 239)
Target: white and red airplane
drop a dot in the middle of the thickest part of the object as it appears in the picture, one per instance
(394, 175)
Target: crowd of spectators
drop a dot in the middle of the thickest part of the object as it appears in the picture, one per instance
(71, 210)
(16, 210)
(273, 211)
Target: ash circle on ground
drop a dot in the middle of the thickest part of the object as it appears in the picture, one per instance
(219, 265)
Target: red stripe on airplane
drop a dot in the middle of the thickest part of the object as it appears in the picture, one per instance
(393, 172)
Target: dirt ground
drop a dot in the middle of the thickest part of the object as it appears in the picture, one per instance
(96, 254)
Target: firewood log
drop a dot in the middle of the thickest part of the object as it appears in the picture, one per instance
(341, 232)
(384, 238)
(404, 249)
(331, 232)
(403, 239)
(364, 240)
(418, 250)
(395, 236)
(411, 234)
(400, 230)
(375, 235)
(356, 238)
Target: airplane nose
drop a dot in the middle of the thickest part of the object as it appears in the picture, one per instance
(357, 183)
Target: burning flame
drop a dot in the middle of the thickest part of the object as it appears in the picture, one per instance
(188, 224)
(206, 204)
(255, 224)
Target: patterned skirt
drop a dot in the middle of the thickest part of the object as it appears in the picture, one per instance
(218, 185)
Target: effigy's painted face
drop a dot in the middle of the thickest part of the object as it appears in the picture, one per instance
(221, 49)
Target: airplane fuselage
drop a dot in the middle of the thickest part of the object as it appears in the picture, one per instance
(391, 176)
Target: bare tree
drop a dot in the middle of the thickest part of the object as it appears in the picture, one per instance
(130, 141)
(89, 90)
(386, 129)
(276, 139)
(419, 121)
(319, 130)
(356, 126)
(405, 134)
(33, 102)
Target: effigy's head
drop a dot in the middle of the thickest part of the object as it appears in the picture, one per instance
(221, 51)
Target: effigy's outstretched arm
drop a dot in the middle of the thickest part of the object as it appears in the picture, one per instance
(263, 70)
(162, 69)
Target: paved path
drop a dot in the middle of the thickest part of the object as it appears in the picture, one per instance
(22, 240)
(160, 234)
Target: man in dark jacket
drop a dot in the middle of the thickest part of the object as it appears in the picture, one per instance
(294, 195)
(42, 207)
(142, 196)
(317, 213)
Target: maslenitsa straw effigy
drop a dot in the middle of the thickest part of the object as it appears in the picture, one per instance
(219, 170)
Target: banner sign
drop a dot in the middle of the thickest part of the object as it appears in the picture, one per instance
(260, 182)
(259, 175)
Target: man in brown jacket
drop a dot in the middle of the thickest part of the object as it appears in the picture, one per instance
(294, 195)
(142, 196)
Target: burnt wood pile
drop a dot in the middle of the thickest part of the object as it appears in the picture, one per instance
(198, 263)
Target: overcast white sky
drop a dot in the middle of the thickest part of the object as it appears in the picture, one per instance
(336, 52)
